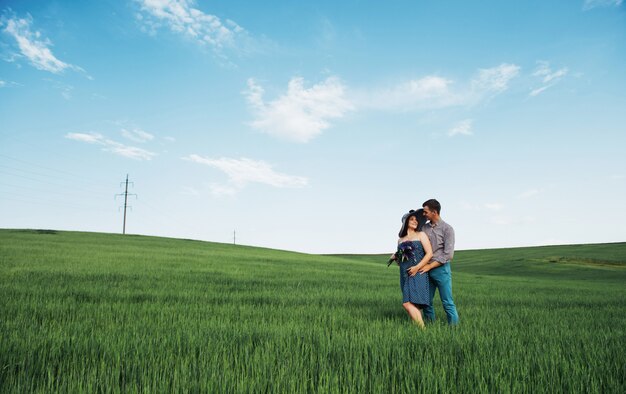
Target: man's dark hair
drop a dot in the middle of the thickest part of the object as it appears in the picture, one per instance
(433, 205)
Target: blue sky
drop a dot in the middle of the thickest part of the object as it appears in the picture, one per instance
(312, 126)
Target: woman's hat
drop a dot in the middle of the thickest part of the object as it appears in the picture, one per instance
(419, 215)
(412, 212)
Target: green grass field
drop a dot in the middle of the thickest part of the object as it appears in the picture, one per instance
(85, 312)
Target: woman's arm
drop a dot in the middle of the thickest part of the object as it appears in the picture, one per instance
(428, 265)
(393, 255)
(428, 254)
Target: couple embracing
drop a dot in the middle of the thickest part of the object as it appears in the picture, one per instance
(424, 252)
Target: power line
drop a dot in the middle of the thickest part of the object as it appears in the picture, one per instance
(20, 198)
(75, 177)
(72, 184)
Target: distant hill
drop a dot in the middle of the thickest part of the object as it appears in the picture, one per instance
(587, 261)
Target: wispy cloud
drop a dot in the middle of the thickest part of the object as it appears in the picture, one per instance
(504, 220)
(528, 193)
(462, 128)
(190, 191)
(137, 135)
(222, 190)
(495, 79)
(7, 84)
(538, 91)
(498, 213)
(300, 114)
(243, 171)
(90, 138)
(112, 146)
(428, 92)
(589, 4)
(547, 76)
(491, 206)
(182, 17)
(34, 46)
(434, 91)
(63, 88)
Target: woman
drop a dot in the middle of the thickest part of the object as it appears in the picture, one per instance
(414, 251)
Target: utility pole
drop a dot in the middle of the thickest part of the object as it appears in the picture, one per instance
(234, 237)
(126, 194)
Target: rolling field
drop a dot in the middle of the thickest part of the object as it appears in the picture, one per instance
(87, 312)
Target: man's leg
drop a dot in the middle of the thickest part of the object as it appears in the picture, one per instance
(444, 280)
(429, 311)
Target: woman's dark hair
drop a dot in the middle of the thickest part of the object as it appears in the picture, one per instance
(433, 205)
(421, 221)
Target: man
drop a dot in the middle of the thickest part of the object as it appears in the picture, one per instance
(441, 236)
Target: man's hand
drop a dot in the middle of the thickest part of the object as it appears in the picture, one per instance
(432, 264)
(413, 270)
(425, 268)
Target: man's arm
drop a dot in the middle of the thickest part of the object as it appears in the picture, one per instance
(431, 265)
(448, 243)
(448, 252)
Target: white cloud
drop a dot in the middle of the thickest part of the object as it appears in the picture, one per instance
(537, 91)
(491, 206)
(469, 207)
(7, 84)
(65, 89)
(462, 128)
(589, 4)
(242, 171)
(34, 47)
(495, 79)
(424, 93)
(67, 93)
(182, 17)
(494, 206)
(529, 193)
(91, 138)
(112, 146)
(190, 191)
(300, 114)
(503, 220)
(128, 151)
(137, 135)
(432, 91)
(9, 57)
(303, 113)
(222, 190)
(548, 77)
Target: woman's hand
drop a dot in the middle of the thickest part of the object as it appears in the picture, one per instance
(413, 270)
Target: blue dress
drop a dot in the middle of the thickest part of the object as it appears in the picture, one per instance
(415, 289)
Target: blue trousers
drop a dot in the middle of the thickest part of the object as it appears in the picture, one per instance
(441, 278)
